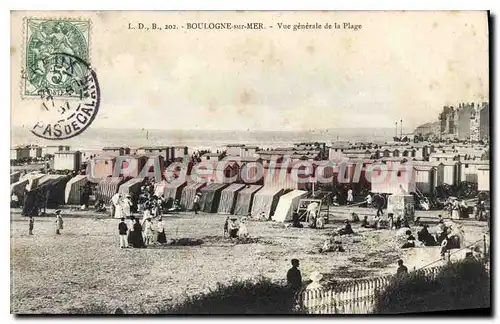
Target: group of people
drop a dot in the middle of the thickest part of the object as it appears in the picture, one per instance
(140, 234)
(234, 229)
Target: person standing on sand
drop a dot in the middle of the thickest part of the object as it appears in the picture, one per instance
(59, 222)
(122, 231)
(161, 237)
(136, 235)
(148, 232)
(31, 225)
(114, 202)
(196, 205)
(350, 197)
(126, 205)
(293, 276)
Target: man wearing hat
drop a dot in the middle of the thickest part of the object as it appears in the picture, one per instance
(196, 205)
(59, 222)
(293, 276)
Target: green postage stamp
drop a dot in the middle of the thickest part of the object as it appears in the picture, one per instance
(46, 42)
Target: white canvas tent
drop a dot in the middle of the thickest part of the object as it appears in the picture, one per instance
(287, 204)
(74, 189)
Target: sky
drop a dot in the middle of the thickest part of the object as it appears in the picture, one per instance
(399, 65)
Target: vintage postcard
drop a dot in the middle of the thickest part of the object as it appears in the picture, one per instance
(246, 162)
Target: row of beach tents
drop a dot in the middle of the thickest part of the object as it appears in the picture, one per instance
(237, 199)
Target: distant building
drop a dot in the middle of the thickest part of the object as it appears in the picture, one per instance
(234, 149)
(484, 121)
(67, 160)
(19, 152)
(483, 178)
(179, 152)
(211, 157)
(51, 149)
(35, 151)
(249, 151)
(116, 150)
(164, 151)
(336, 151)
(465, 114)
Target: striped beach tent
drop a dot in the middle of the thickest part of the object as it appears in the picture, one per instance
(131, 186)
(210, 197)
(244, 200)
(287, 204)
(74, 189)
(49, 177)
(55, 187)
(14, 176)
(107, 187)
(188, 193)
(33, 180)
(18, 188)
(266, 200)
(174, 189)
(228, 198)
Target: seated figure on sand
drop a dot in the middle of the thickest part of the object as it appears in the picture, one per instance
(320, 222)
(346, 230)
(296, 220)
(425, 237)
(331, 245)
(243, 230)
(410, 240)
(233, 228)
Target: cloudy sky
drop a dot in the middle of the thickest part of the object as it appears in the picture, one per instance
(398, 65)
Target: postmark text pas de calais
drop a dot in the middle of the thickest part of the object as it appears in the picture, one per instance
(58, 74)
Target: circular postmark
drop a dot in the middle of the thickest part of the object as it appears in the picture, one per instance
(68, 111)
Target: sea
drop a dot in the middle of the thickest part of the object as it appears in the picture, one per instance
(94, 139)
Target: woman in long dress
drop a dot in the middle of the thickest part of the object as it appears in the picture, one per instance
(130, 225)
(137, 240)
(118, 209)
(161, 238)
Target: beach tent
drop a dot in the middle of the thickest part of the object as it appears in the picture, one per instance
(228, 198)
(33, 180)
(174, 189)
(131, 186)
(266, 200)
(287, 204)
(210, 197)
(55, 187)
(74, 189)
(245, 199)
(48, 177)
(14, 176)
(107, 187)
(188, 193)
(18, 188)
